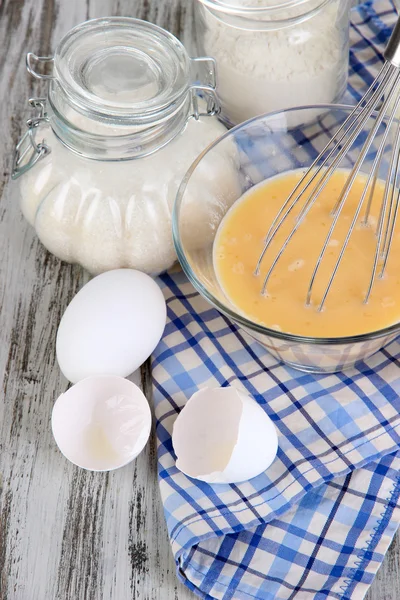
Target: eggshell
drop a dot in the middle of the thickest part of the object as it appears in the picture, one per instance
(223, 436)
(101, 423)
(111, 326)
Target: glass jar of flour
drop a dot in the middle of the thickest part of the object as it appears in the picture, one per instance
(275, 54)
(103, 155)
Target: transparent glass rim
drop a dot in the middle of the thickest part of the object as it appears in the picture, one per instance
(223, 6)
(234, 316)
(114, 148)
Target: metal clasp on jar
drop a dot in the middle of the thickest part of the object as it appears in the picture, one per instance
(207, 89)
(28, 151)
(31, 59)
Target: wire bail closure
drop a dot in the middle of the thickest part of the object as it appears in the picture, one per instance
(28, 151)
(27, 145)
(208, 89)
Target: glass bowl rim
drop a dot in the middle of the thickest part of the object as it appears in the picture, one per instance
(247, 324)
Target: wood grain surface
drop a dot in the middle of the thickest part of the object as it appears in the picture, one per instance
(67, 534)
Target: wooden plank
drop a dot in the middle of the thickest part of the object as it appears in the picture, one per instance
(387, 582)
(66, 534)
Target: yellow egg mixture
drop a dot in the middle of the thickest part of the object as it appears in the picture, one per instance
(240, 240)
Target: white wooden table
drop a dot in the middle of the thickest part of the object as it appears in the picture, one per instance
(66, 534)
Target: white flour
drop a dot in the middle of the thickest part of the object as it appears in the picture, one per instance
(264, 71)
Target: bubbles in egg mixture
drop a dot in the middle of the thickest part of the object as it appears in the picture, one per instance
(284, 307)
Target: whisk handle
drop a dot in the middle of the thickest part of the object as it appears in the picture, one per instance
(392, 51)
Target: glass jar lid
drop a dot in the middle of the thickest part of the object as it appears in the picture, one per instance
(120, 89)
(120, 68)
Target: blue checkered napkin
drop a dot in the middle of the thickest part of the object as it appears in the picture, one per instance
(318, 522)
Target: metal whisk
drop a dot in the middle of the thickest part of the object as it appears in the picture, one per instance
(387, 87)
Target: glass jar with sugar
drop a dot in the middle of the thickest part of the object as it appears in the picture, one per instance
(275, 54)
(102, 158)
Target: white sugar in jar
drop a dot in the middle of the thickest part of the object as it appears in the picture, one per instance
(275, 54)
(101, 161)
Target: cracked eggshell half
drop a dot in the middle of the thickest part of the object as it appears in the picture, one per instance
(223, 436)
(101, 423)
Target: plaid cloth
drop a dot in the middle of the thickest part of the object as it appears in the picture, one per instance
(317, 524)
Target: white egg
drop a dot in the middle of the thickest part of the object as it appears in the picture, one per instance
(223, 436)
(111, 326)
(101, 423)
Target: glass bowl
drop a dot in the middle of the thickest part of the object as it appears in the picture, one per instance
(258, 149)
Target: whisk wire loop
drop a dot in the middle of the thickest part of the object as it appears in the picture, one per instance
(394, 169)
(346, 191)
(294, 196)
(355, 127)
(384, 91)
(393, 209)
